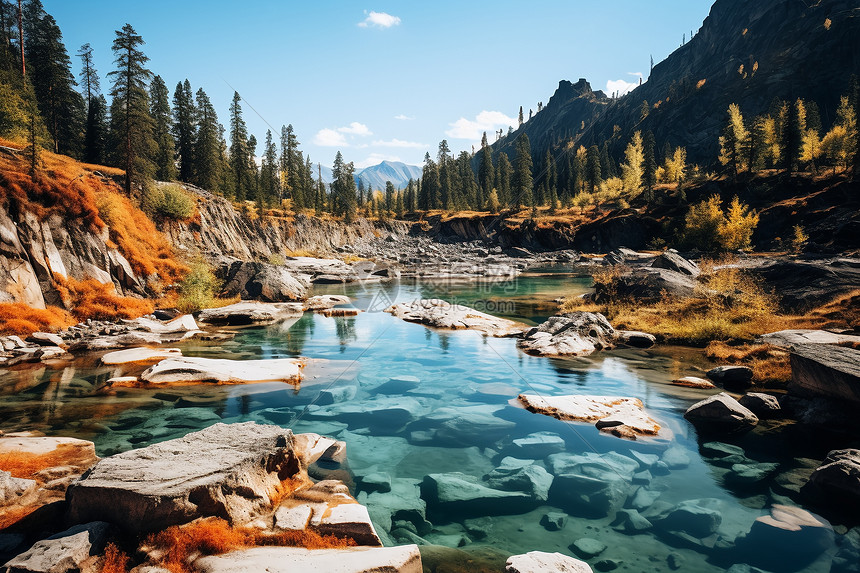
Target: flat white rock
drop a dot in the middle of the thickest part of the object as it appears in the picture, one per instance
(222, 371)
(442, 314)
(608, 412)
(402, 559)
(143, 354)
(540, 562)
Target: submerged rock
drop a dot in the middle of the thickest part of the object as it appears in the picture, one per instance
(540, 562)
(225, 470)
(571, 334)
(442, 314)
(402, 559)
(623, 417)
(222, 371)
(463, 494)
(587, 547)
(696, 517)
(720, 413)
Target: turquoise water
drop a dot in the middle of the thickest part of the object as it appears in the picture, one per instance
(458, 415)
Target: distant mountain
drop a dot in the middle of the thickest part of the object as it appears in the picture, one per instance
(748, 52)
(395, 171)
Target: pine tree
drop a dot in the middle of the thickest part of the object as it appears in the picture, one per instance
(520, 117)
(649, 165)
(429, 196)
(165, 169)
(607, 166)
(207, 147)
(389, 197)
(446, 193)
(734, 141)
(793, 135)
(95, 130)
(486, 171)
(49, 69)
(95, 137)
(131, 123)
(269, 171)
(523, 183)
(593, 175)
(343, 188)
(185, 119)
(503, 180)
(238, 149)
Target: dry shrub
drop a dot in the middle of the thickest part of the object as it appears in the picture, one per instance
(284, 490)
(729, 304)
(21, 319)
(215, 536)
(770, 364)
(115, 561)
(91, 299)
(145, 247)
(302, 252)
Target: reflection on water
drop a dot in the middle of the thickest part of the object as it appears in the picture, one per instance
(411, 402)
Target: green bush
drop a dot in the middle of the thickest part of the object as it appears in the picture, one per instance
(170, 201)
(198, 289)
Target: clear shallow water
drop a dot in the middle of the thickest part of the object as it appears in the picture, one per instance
(460, 417)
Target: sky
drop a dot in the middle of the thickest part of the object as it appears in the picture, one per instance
(384, 80)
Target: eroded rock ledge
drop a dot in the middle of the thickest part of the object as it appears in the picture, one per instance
(442, 314)
(622, 417)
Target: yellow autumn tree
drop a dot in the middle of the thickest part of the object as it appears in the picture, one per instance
(734, 141)
(737, 229)
(631, 169)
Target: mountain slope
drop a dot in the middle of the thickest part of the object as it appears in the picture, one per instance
(395, 171)
(747, 52)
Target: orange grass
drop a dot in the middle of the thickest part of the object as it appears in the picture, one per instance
(11, 516)
(770, 364)
(215, 536)
(99, 301)
(21, 319)
(115, 561)
(23, 464)
(145, 247)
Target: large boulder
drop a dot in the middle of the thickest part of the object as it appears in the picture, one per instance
(790, 338)
(403, 559)
(251, 312)
(801, 537)
(720, 413)
(76, 549)
(228, 471)
(837, 480)
(571, 334)
(674, 262)
(442, 314)
(827, 371)
(591, 484)
(647, 284)
(622, 417)
(732, 376)
(541, 562)
(762, 405)
(262, 281)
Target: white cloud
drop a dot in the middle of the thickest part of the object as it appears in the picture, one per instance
(488, 121)
(355, 128)
(403, 117)
(330, 138)
(379, 20)
(623, 86)
(375, 159)
(399, 143)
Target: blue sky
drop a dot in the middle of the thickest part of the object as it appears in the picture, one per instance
(388, 79)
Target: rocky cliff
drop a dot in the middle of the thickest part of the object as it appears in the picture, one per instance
(747, 52)
(221, 230)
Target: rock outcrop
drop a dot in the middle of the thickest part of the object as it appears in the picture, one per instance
(442, 314)
(188, 370)
(251, 312)
(571, 334)
(832, 372)
(228, 471)
(262, 281)
(836, 482)
(79, 548)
